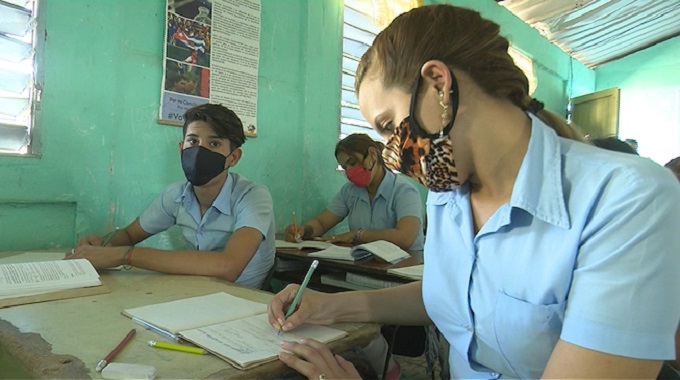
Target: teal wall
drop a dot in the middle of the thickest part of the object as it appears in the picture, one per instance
(657, 67)
(105, 158)
(649, 83)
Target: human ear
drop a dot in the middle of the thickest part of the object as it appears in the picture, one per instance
(437, 74)
(235, 157)
(179, 146)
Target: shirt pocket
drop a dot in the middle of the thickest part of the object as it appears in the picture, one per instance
(527, 333)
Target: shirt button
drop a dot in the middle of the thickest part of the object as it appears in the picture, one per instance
(494, 375)
(468, 328)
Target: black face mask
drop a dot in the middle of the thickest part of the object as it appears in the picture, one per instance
(200, 165)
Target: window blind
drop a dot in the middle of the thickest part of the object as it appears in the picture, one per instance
(359, 31)
(17, 74)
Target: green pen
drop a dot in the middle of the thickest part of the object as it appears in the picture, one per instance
(108, 238)
(301, 289)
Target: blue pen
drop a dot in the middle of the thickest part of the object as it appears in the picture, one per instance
(153, 328)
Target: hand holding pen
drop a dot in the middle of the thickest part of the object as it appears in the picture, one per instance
(305, 300)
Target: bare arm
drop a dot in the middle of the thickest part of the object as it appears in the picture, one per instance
(227, 264)
(403, 235)
(572, 361)
(321, 223)
(376, 306)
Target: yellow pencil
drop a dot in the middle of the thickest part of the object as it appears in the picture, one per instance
(177, 347)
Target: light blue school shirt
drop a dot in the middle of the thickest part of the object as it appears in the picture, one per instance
(240, 203)
(587, 250)
(395, 199)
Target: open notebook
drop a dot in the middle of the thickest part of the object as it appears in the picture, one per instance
(233, 328)
(380, 248)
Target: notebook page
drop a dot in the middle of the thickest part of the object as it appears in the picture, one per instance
(195, 312)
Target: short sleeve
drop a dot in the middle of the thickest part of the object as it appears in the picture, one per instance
(339, 205)
(626, 284)
(255, 209)
(407, 202)
(161, 213)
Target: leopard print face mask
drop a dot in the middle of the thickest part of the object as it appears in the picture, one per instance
(423, 157)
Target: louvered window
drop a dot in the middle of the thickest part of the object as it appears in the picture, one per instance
(359, 30)
(18, 85)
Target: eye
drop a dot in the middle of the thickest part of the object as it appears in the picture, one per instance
(215, 144)
(191, 141)
(386, 129)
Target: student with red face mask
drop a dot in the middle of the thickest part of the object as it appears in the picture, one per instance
(378, 204)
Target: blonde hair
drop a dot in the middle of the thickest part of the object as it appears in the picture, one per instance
(463, 40)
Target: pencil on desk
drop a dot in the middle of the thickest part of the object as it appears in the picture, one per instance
(102, 363)
(177, 347)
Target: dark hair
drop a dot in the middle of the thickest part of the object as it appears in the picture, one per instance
(463, 40)
(612, 143)
(224, 122)
(674, 166)
(359, 143)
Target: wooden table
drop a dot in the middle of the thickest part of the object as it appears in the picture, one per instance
(66, 338)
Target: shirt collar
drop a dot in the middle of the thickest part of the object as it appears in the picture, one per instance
(386, 187)
(221, 203)
(538, 188)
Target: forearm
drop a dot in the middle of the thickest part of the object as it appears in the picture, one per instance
(213, 264)
(312, 228)
(393, 235)
(385, 306)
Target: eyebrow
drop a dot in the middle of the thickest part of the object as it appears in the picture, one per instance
(210, 137)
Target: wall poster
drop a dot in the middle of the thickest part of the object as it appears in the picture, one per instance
(212, 53)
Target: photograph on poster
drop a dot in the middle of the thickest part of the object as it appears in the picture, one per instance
(188, 41)
(187, 79)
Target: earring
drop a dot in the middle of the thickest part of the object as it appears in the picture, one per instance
(445, 113)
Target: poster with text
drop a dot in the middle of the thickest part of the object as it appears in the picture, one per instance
(212, 54)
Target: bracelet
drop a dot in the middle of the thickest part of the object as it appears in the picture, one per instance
(357, 237)
(127, 258)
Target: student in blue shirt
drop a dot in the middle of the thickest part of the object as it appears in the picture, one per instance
(545, 256)
(378, 204)
(227, 220)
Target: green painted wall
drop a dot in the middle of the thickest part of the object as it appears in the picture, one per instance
(105, 158)
(657, 67)
(649, 83)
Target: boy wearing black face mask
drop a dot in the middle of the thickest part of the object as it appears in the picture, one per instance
(227, 221)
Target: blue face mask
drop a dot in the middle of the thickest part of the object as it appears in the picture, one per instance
(201, 164)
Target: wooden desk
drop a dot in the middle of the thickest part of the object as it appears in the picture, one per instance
(66, 338)
(372, 266)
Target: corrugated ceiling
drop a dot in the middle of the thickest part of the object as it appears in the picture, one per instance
(599, 31)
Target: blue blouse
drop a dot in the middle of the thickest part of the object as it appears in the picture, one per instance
(586, 251)
(394, 199)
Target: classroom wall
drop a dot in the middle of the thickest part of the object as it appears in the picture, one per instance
(105, 158)
(649, 81)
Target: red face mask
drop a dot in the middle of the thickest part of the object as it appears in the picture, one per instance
(359, 175)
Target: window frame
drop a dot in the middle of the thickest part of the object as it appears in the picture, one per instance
(34, 145)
